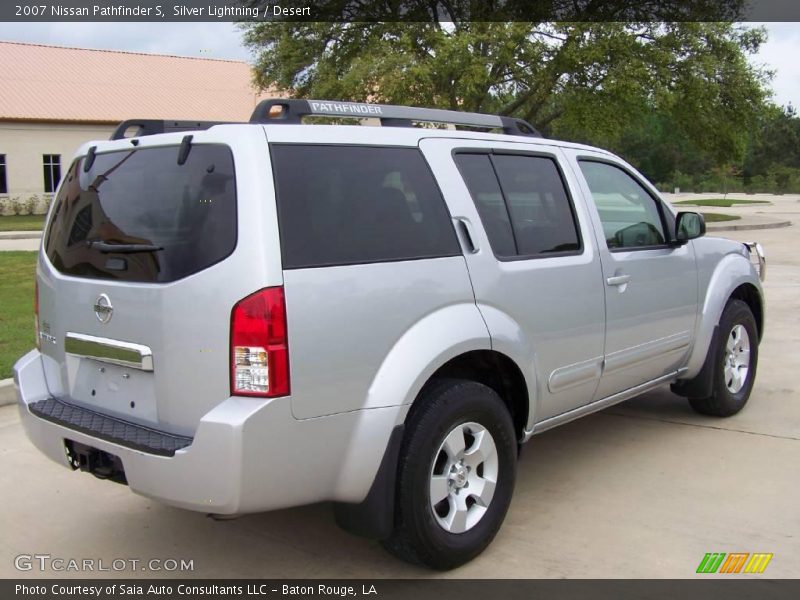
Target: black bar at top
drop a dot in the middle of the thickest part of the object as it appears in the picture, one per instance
(400, 10)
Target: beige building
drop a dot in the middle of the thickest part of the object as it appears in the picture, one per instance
(54, 99)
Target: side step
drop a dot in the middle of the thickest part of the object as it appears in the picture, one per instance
(108, 428)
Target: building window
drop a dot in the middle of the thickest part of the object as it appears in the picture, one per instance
(3, 180)
(52, 172)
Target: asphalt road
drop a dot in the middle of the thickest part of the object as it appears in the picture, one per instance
(641, 490)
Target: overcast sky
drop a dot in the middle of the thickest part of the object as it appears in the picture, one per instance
(223, 40)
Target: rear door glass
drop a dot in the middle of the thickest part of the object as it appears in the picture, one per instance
(137, 215)
(523, 204)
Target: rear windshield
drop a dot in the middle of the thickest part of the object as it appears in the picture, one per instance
(137, 215)
(340, 205)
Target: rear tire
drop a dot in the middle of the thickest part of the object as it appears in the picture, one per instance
(455, 477)
(734, 364)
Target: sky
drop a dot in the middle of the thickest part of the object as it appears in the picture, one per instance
(223, 40)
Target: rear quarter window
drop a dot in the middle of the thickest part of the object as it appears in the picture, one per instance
(341, 205)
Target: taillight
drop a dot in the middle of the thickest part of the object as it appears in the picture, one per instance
(36, 311)
(259, 345)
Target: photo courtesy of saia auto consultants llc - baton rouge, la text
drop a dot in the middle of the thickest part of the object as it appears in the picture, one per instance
(113, 589)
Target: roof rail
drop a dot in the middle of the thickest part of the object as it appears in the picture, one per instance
(156, 126)
(281, 110)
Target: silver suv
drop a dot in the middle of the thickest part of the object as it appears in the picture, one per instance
(254, 316)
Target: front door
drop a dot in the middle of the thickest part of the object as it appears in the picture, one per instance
(650, 284)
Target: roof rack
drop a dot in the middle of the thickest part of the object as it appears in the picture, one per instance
(281, 110)
(156, 126)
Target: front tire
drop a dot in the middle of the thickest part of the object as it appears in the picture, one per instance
(734, 364)
(456, 475)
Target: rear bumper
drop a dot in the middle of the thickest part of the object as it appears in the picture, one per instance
(247, 455)
(116, 431)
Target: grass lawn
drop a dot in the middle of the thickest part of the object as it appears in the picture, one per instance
(22, 223)
(16, 307)
(726, 202)
(718, 217)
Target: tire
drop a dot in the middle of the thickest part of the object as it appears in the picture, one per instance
(459, 526)
(735, 363)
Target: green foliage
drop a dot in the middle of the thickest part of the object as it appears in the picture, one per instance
(771, 162)
(777, 179)
(775, 141)
(679, 100)
(29, 206)
(16, 206)
(584, 81)
(16, 297)
(21, 223)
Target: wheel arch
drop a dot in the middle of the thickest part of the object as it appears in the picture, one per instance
(750, 295)
(733, 277)
(374, 516)
(494, 370)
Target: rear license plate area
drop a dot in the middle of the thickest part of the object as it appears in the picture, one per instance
(118, 391)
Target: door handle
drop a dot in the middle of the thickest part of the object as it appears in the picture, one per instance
(618, 280)
(466, 233)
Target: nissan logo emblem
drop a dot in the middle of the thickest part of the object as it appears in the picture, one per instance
(103, 309)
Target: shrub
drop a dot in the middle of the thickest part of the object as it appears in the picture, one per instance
(30, 204)
(16, 206)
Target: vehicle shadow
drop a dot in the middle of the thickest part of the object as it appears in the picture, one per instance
(556, 470)
(606, 476)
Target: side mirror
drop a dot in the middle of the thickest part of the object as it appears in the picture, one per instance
(689, 226)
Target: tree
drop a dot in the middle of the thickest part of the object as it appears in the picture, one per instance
(585, 81)
(776, 141)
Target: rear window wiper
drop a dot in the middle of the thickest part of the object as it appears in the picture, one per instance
(105, 247)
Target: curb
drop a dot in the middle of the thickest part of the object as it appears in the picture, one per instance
(760, 204)
(21, 235)
(744, 227)
(7, 393)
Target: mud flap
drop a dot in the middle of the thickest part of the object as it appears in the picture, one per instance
(373, 518)
(702, 385)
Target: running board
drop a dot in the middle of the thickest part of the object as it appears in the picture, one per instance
(601, 404)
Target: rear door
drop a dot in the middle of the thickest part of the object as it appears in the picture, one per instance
(143, 257)
(650, 285)
(535, 267)
(370, 259)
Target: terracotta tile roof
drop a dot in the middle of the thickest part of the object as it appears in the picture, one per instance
(48, 83)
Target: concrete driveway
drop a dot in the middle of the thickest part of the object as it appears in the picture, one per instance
(642, 490)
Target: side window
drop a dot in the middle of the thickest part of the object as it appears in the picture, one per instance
(629, 214)
(358, 204)
(538, 204)
(522, 202)
(478, 174)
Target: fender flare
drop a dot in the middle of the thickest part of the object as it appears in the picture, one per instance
(410, 363)
(457, 330)
(731, 272)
